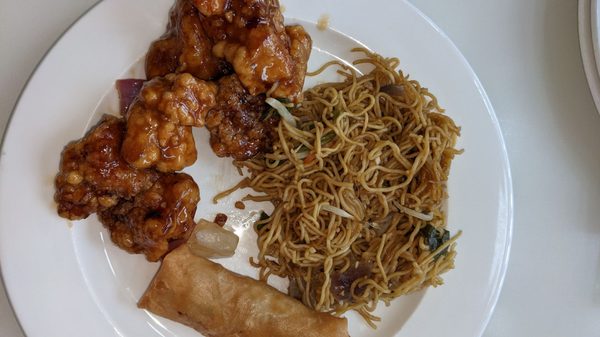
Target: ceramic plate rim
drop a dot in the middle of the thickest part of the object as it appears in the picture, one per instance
(588, 56)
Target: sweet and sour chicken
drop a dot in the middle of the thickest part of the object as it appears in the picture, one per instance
(214, 66)
(266, 55)
(160, 120)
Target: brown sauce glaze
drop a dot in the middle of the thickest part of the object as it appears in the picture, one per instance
(93, 176)
(238, 126)
(184, 47)
(250, 34)
(155, 220)
(159, 122)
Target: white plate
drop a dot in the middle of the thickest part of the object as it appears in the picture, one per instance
(589, 42)
(595, 27)
(68, 279)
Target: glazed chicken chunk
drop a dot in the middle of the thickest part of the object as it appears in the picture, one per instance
(157, 220)
(214, 66)
(93, 176)
(184, 47)
(300, 47)
(238, 125)
(159, 122)
(250, 34)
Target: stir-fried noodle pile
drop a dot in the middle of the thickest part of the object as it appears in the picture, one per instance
(359, 187)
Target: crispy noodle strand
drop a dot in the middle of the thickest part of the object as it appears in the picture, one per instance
(353, 187)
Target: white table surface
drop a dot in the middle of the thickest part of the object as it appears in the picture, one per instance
(526, 53)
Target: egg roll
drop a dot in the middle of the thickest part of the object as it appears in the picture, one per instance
(216, 302)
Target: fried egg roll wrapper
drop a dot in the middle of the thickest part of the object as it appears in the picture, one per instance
(219, 303)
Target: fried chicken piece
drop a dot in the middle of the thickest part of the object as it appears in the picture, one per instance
(184, 47)
(266, 55)
(157, 220)
(237, 125)
(262, 66)
(93, 176)
(159, 132)
(301, 45)
(181, 98)
(154, 141)
(234, 19)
